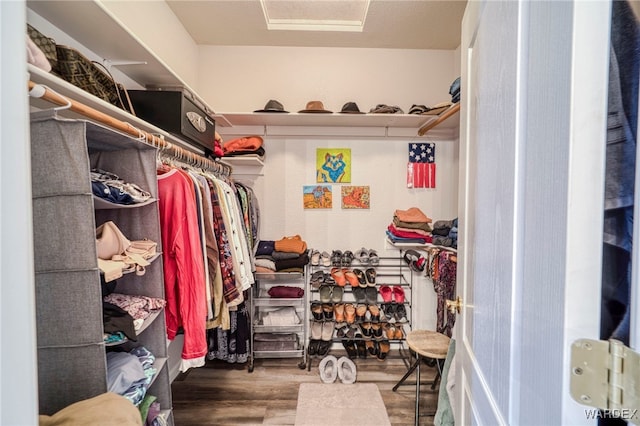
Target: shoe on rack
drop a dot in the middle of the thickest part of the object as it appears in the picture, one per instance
(362, 278)
(361, 312)
(398, 294)
(327, 310)
(316, 311)
(383, 350)
(328, 368)
(346, 370)
(347, 258)
(314, 257)
(316, 280)
(386, 292)
(370, 273)
(349, 313)
(350, 347)
(325, 259)
(338, 276)
(338, 310)
(363, 256)
(374, 259)
(360, 295)
(325, 293)
(400, 314)
(336, 294)
(351, 277)
(362, 348)
(327, 330)
(336, 258)
(371, 347)
(312, 349)
(316, 330)
(371, 295)
(398, 333)
(375, 312)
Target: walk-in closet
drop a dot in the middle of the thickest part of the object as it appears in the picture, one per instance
(402, 213)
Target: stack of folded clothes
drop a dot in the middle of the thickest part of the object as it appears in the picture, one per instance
(289, 254)
(445, 233)
(244, 146)
(282, 317)
(410, 226)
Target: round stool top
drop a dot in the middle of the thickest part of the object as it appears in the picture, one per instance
(428, 343)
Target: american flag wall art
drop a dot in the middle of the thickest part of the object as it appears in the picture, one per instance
(421, 168)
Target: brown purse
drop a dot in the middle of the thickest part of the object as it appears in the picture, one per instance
(92, 77)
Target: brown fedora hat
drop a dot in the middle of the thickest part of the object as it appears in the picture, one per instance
(315, 106)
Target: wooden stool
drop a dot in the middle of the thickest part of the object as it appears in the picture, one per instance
(425, 344)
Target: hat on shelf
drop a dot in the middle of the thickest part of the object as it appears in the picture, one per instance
(386, 109)
(315, 106)
(351, 108)
(418, 109)
(272, 106)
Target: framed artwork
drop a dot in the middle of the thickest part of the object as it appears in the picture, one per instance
(355, 197)
(317, 196)
(333, 165)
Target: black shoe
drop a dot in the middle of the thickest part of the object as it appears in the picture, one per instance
(362, 349)
(312, 349)
(350, 347)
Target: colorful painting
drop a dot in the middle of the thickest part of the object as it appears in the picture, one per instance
(317, 196)
(333, 165)
(355, 197)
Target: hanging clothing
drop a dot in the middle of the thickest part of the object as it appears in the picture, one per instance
(231, 345)
(622, 127)
(445, 288)
(183, 264)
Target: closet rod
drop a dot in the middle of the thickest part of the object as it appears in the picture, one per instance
(164, 146)
(448, 113)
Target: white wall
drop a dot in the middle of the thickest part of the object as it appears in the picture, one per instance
(243, 79)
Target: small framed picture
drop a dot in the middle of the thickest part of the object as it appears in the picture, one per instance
(355, 197)
(317, 196)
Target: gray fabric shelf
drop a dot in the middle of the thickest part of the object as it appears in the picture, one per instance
(71, 352)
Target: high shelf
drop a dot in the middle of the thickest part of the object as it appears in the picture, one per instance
(72, 352)
(278, 326)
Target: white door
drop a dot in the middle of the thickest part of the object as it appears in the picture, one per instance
(533, 122)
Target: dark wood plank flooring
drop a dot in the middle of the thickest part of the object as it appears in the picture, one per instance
(227, 394)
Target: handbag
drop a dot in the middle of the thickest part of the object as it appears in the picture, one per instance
(110, 241)
(78, 70)
(46, 44)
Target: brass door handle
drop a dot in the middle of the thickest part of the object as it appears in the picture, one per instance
(454, 306)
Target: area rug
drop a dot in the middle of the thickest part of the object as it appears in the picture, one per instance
(339, 404)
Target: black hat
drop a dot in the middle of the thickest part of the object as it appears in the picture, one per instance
(418, 109)
(351, 108)
(272, 106)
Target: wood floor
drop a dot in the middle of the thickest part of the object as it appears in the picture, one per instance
(227, 394)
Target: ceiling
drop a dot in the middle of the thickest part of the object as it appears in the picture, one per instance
(392, 24)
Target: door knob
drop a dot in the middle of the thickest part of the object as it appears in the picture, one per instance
(454, 305)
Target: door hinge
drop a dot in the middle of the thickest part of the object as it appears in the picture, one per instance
(606, 375)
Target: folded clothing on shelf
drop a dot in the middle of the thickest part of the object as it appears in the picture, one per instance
(286, 292)
(281, 317)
